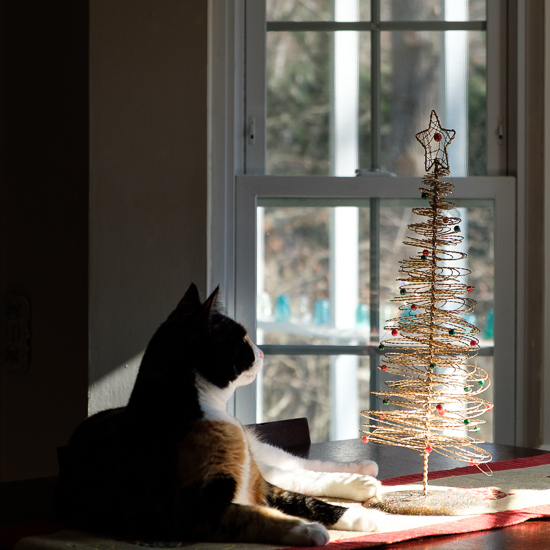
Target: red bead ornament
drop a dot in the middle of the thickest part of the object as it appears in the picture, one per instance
(426, 252)
(438, 137)
(414, 307)
(473, 343)
(365, 439)
(445, 220)
(439, 406)
(489, 407)
(394, 332)
(470, 288)
(473, 462)
(384, 367)
(382, 416)
(429, 449)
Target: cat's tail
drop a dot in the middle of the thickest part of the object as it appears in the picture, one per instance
(356, 518)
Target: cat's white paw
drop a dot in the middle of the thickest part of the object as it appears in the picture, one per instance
(362, 519)
(366, 467)
(307, 534)
(361, 488)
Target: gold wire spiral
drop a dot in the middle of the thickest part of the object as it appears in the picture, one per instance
(435, 400)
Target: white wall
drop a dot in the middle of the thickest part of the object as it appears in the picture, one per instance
(148, 162)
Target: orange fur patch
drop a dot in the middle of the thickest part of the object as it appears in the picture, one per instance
(214, 448)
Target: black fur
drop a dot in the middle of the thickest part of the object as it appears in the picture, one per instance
(304, 506)
(126, 471)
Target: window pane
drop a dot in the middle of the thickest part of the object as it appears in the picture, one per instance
(477, 228)
(299, 279)
(390, 10)
(421, 71)
(298, 10)
(486, 430)
(285, 396)
(308, 10)
(298, 103)
(433, 10)
(303, 298)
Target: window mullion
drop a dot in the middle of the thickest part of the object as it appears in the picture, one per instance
(374, 298)
(375, 86)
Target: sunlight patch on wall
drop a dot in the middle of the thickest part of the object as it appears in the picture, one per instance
(114, 389)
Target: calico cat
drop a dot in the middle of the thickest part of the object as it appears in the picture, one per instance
(174, 465)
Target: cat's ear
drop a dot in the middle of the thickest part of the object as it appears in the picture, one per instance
(203, 316)
(191, 298)
(211, 300)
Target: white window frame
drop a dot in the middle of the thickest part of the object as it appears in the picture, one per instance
(233, 198)
(501, 190)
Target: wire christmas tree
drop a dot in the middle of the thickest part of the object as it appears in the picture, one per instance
(436, 403)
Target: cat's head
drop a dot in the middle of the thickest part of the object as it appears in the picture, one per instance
(219, 347)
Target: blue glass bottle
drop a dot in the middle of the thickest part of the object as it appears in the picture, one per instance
(282, 308)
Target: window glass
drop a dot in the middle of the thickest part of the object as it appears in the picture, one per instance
(369, 91)
(390, 10)
(298, 281)
(285, 396)
(298, 103)
(432, 10)
(327, 276)
(445, 71)
(308, 10)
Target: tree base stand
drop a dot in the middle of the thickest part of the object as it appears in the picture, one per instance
(440, 501)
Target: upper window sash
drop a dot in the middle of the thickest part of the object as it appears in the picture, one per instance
(255, 91)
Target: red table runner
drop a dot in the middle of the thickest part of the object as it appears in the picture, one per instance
(517, 490)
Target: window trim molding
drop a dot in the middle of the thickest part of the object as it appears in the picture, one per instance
(225, 139)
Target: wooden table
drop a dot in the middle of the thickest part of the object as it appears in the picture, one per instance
(30, 500)
(396, 461)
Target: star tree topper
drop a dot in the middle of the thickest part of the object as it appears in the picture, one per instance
(435, 141)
